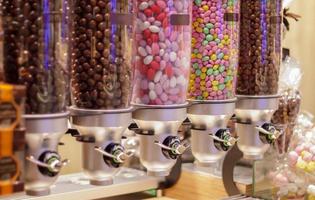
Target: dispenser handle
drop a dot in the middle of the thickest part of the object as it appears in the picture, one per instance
(229, 142)
(54, 166)
(179, 149)
(121, 157)
(274, 135)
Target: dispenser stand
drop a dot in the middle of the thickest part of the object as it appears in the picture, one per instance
(101, 132)
(43, 132)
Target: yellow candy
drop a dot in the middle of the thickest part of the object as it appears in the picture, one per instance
(202, 83)
(202, 88)
(215, 67)
(191, 82)
(205, 7)
(193, 40)
(203, 76)
(213, 57)
(303, 153)
(205, 94)
(204, 69)
(193, 55)
(301, 164)
(199, 56)
(310, 167)
(214, 88)
(199, 30)
(192, 76)
(215, 83)
(222, 43)
(192, 89)
(196, 24)
(225, 57)
(225, 37)
(200, 20)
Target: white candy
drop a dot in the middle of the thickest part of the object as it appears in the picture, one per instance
(145, 25)
(151, 3)
(157, 23)
(154, 29)
(173, 82)
(157, 76)
(151, 86)
(144, 5)
(152, 95)
(173, 56)
(311, 189)
(162, 52)
(148, 59)
(142, 51)
(181, 80)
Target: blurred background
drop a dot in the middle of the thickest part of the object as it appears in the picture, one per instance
(301, 40)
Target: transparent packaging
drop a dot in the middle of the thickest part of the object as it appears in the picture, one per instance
(260, 47)
(162, 51)
(101, 54)
(215, 44)
(35, 51)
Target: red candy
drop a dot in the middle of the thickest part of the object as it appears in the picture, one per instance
(169, 71)
(148, 12)
(147, 33)
(165, 23)
(156, 9)
(155, 65)
(151, 74)
(143, 69)
(154, 37)
(161, 17)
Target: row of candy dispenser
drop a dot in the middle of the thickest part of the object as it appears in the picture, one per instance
(123, 54)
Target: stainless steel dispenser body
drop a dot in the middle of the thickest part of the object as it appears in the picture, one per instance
(252, 112)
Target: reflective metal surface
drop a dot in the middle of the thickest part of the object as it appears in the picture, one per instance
(43, 133)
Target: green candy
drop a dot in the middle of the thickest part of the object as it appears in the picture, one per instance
(209, 71)
(209, 37)
(198, 72)
(220, 55)
(198, 2)
(205, 58)
(204, 43)
(221, 68)
(196, 65)
(209, 25)
(217, 40)
(199, 98)
(221, 87)
(206, 30)
(216, 72)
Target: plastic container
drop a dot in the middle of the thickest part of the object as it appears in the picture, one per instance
(215, 43)
(101, 58)
(162, 51)
(260, 47)
(35, 51)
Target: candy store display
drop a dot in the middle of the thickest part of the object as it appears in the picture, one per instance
(162, 51)
(35, 51)
(260, 47)
(101, 58)
(215, 43)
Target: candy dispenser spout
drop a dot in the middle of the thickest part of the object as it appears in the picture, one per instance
(256, 133)
(210, 137)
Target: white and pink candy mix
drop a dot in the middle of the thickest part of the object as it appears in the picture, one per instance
(162, 51)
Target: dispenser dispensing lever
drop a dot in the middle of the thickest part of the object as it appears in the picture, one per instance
(53, 164)
(230, 141)
(176, 147)
(272, 133)
(119, 156)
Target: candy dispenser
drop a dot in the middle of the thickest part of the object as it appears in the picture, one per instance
(257, 80)
(162, 58)
(214, 61)
(101, 83)
(35, 54)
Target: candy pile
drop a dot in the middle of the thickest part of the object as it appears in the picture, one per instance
(214, 56)
(311, 192)
(162, 57)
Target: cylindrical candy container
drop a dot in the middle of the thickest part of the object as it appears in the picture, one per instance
(35, 54)
(215, 42)
(102, 35)
(161, 58)
(162, 55)
(260, 47)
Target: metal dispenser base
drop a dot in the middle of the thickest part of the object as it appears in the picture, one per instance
(99, 128)
(207, 117)
(252, 112)
(156, 124)
(43, 133)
